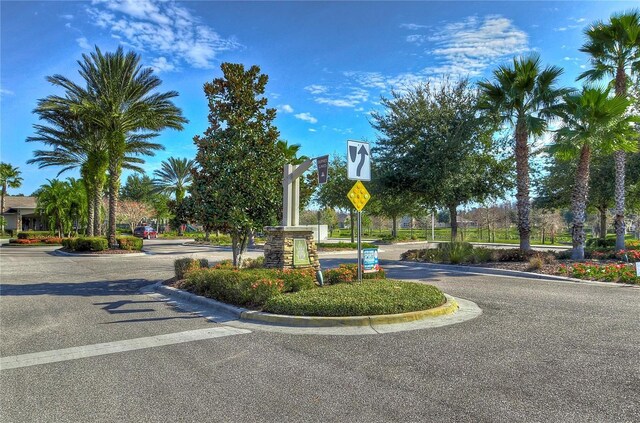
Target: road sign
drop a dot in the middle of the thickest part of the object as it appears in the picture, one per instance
(358, 160)
(323, 169)
(370, 260)
(638, 268)
(358, 195)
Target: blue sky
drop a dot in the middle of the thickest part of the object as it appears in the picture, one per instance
(328, 62)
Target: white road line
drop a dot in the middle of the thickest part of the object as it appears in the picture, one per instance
(54, 356)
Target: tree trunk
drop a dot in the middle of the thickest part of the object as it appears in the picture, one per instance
(239, 245)
(114, 185)
(579, 204)
(522, 195)
(619, 158)
(453, 217)
(394, 226)
(97, 215)
(90, 214)
(2, 194)
(603, 221)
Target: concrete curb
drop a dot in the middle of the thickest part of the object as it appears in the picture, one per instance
(515, 273)
(451, 306)
(252, 316)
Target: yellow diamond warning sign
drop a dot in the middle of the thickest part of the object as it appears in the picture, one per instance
(359, 195)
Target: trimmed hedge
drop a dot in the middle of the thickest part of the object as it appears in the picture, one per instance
(129, 243)
(361, 299)
(344, 245)
(601, 243)
(35, 235)
(247, 287)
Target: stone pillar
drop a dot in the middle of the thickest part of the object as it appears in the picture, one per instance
(278, 250)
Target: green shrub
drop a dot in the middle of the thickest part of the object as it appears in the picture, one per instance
(512, 255)
(601, 243)
(129, 243)
(481, 255)
(35, 235)
(364, 299)
(91, 244)
(185, 265)
(431, 255)
(456, 252)
(256, 263)
(348, 273)
(248, 287)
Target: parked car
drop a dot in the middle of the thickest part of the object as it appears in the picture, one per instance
(146, 232)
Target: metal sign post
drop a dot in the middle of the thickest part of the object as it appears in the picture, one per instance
(359, 246)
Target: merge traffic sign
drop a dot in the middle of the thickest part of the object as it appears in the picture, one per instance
(358, 160)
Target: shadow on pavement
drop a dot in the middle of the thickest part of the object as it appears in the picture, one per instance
(81, 289)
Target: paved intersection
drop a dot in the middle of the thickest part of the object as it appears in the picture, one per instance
(541, 351)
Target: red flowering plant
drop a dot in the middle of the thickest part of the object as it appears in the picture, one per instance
(618, 272)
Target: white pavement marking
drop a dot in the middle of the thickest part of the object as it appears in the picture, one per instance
(44, 357)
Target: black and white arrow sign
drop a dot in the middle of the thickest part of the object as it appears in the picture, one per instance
(358, 160)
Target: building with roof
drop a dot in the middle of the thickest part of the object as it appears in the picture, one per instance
(20, 214)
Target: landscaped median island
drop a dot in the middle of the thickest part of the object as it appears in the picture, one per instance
(96, 244)
(35, 238)
(295, 292)
(603, 262)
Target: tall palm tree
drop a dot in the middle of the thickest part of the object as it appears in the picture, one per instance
(9, 178)
(593, 122)
(174, 177)
(523, 95)
(119, 100)
(75, 145)
(614, 47)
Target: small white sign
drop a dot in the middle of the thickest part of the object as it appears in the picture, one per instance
(638, 268)
(358, 160)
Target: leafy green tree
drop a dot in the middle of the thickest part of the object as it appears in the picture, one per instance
(523, 95)
(591, 122)
(9, 178)
(614, 47)
(174, 177)
(238, 179)
(435, 149)
(138, 187)
(119, 101)
(333, 194)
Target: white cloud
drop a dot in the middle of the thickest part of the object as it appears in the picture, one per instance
(165, 29)
(306, 117)
(412, 26)
(475, 43)
(161, 64)
(285, 108)
(4, 92)
(67, 17)
(316, 89)
(313, 130)
(83, 43)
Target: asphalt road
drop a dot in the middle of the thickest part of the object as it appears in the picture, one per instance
(541, 351)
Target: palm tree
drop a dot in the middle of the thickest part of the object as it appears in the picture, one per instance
(592, 123)
(75, 145)
(119, 101)
(174, 177)
(53, 202)
(9, 178)
(614, 47)
(523, 95)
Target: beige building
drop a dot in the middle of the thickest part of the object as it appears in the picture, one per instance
(20, 214)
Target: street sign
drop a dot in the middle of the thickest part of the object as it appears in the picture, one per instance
(358, 195)
(358, 160)
(370, 260)
(323, 169)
